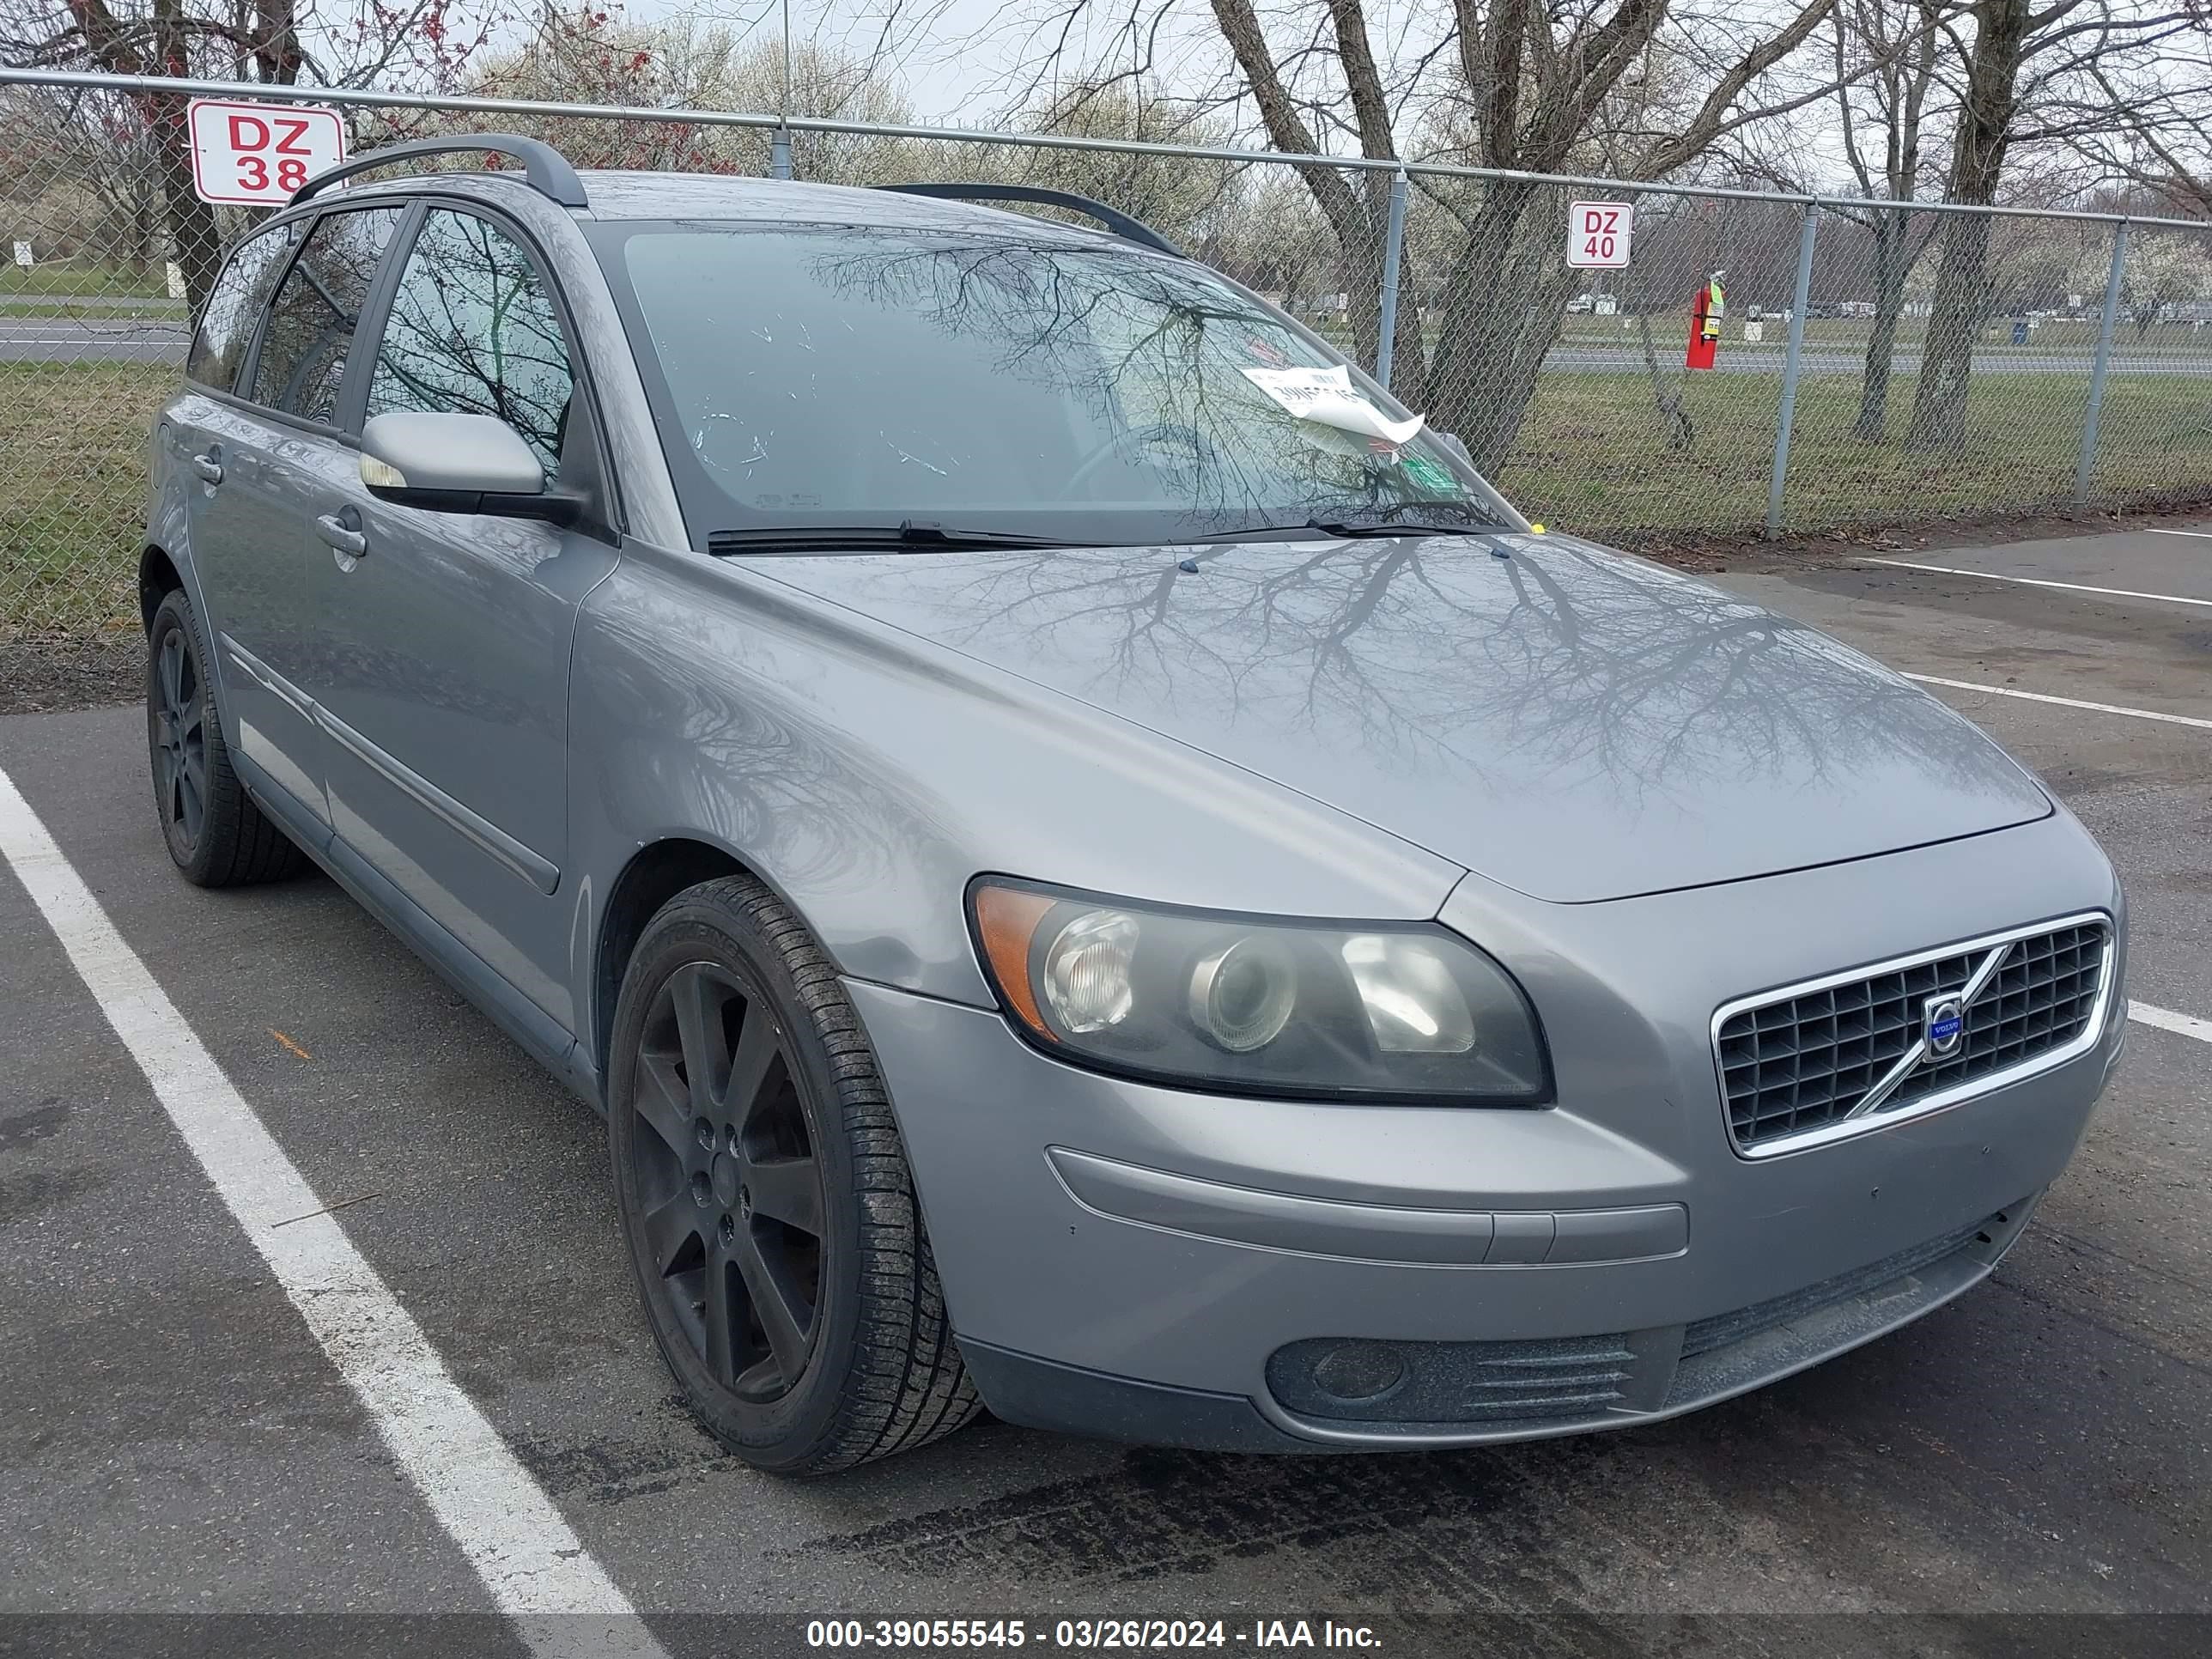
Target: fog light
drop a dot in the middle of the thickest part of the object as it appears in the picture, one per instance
(1358, 1371)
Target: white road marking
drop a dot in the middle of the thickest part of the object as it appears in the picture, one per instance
(2155, 530)
(561, 1601)
(2067, 702)
(2039, 581)
(98, 337)
(2166, 1020)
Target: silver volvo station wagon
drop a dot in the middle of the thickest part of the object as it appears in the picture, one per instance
(1095, 867)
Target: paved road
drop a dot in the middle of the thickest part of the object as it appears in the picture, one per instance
(175, 1440)
(91, 339)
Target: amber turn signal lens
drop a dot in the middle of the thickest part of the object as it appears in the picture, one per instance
(1006, 921)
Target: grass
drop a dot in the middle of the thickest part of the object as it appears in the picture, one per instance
(1833, 334)
(64, 306)
(1593, 454)
(78, 281)
(1593, 458)
(73, 504)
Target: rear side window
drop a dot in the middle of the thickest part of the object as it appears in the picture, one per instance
(472, 331)
(303, 350)
(234, 306)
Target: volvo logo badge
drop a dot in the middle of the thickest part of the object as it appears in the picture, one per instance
(1946, 1017)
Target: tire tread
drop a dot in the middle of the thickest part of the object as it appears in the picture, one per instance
(240, 844)
(907, 1385)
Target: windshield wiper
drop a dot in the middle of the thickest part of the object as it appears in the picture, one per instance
(1401, 527)
(907, 535)
(1348, 528)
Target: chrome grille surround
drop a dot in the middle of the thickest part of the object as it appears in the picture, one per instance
(1847, 1054)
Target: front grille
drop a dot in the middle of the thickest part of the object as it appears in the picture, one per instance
(1804, 1061)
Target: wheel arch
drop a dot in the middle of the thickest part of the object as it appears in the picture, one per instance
(159, 576)
(652, 875)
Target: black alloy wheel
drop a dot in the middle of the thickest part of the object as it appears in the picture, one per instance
(177, 710)
(727, 1187)
(214, 831)
(766, 1203)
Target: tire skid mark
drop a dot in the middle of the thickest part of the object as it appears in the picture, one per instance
(21, 1129)
(1451, 1530)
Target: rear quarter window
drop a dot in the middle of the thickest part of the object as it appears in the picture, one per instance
(235, 308)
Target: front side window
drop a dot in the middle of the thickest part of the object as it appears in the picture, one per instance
(227, 328)
(303, 350)
(860, 376)
(473, 331)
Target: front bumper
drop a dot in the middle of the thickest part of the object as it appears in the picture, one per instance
(1159, 1266)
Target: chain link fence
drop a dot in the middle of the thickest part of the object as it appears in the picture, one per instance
(1877, 365)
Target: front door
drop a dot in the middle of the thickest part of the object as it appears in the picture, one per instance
(253, 532)
(444, 660)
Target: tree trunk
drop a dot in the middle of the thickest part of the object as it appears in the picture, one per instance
(1893, 261)
(196, 244)
(1961, 298)
(192, 235)
(1480, 380)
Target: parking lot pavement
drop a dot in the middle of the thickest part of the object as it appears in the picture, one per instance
(2172, 561)
(175, 1439)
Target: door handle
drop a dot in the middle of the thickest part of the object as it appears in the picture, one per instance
(210, 465)
(336, 532)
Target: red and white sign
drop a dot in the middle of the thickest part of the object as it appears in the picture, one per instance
(1598, 232)
(256, 155)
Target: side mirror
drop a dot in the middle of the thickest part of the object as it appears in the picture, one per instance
(459, 464)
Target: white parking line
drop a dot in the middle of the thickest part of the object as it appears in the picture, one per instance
(2039, 581)
(2065, 703)
(2166, 1020)
(562, 1603)
(2155, 531)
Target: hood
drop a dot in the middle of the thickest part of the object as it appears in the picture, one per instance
(1570, 722)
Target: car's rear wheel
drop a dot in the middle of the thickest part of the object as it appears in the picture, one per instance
(765, 1200)
(215, 834)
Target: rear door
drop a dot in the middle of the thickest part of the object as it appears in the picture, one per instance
(238, 546)
(257, 453)
(444, 669)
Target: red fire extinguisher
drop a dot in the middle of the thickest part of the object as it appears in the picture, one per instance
(1705, 323)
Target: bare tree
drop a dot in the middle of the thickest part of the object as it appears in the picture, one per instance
(2024, 72)
(257, 42)
(1640, 88)
(1897, 42)
(684, 62)
(2158, 138)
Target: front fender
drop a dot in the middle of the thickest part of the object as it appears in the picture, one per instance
(867, 775)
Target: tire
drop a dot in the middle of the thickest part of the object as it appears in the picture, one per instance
(804, 1352)
(215, 834)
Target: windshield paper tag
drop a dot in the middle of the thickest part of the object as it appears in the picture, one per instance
(1326, 396)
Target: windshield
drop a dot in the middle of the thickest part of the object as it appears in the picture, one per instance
(864, 376)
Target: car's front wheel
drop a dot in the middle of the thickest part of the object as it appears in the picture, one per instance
(766, 1201)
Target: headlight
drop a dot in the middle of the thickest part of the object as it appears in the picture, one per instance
(1388, 1010)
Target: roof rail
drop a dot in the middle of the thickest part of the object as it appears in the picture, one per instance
(545, 168)
(1134, 230)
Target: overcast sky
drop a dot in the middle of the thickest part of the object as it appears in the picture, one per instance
(957, 60)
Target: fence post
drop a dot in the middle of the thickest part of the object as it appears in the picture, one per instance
(1393, 244)
(2087, 465)
(779, 154)
(1788, 415)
